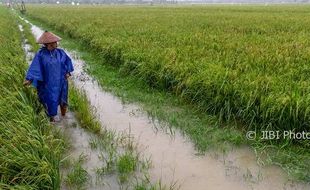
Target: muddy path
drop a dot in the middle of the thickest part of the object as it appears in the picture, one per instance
(174, 159)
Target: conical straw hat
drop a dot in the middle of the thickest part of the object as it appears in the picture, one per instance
(48, 37)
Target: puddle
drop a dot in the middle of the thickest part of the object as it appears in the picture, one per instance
(173, 156)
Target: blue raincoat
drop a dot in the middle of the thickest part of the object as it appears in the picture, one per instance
(47, 73)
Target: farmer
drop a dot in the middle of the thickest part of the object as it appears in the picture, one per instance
(48, 72)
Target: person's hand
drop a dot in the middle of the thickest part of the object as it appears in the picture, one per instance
(67, 75)
(27, 82)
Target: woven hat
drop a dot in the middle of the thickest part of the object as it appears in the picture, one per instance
(48, 37)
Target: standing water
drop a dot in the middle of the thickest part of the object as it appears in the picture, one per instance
(173, 157)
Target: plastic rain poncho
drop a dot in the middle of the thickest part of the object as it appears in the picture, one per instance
(47, 73)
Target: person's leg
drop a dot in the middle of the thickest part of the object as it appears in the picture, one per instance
(64, 98)
(63, 109)
(51, 113)
(52, 107)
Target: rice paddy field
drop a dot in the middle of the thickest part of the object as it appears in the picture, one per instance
(249, 63)
(235, 68)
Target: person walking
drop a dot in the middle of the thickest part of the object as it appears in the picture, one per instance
(49, 73)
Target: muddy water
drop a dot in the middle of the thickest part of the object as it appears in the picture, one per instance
(173, 156)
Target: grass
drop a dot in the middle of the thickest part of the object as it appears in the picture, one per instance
(83, 112)
(143, 185)
(77, 177)
(126, 164)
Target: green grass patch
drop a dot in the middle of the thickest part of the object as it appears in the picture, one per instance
(77, 177)
(126, 164)
(83, 111)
